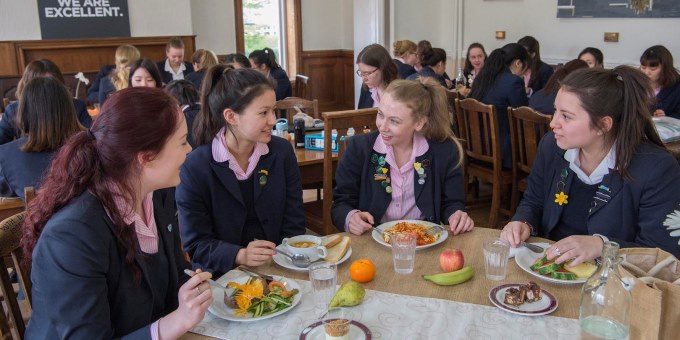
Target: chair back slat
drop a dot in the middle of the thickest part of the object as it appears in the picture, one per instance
(527, 127)
(362, 121)
(481, 132)
(302, 86)
(289, 105)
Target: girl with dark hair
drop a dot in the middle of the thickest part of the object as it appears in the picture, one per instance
(538, 72)
(474, 61)
(418, 157)
(240, 193)
(405, 56)
(188, 97)
(657, 64)
(264, 60)
(543, 101)
(602, 174)
(47, 119)
(237, 60)
(9, 126)
(377, 70)
(144, 73)
(102, 233)
(593, 57)
(433, 62)
(499, 84)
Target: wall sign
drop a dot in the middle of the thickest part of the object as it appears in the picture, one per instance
(618, 9)
(69, 19)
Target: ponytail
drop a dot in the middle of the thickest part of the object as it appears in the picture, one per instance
(427, 99)
(226, 88)
(533, 47)
(499, 61)
(624, 94)
(265, 56)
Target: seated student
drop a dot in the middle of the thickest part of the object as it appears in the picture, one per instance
(174, 67)
(543, 101)
(657, 63)
(499, 84)
(103, 235)
(202, 60)
(405, 56)
(424, 45)
(240, 193)
(593, 57)
(264, 60)
(187, 95)
(592, 180)
(433, 65)
(474, 61)
(143, 73)
(377, 70)
(47, 119)
(9, 129)
(538, 72)
(237, 61)
(126, 55)
(93, 90)
(408, 169)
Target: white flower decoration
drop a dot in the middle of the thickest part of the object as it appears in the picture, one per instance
(81, 77)
(673, 223)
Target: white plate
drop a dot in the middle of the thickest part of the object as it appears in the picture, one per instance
(286, 263)
(378, 238)
(525, 258)
(546, 305)
(219, 309)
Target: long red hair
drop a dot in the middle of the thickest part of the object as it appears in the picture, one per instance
(132, 121)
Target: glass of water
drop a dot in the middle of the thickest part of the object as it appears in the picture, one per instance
(496, 253)
(403, 252)
(323, 277)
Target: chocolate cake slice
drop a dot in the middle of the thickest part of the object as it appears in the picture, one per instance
(514, 296)
(533, 292)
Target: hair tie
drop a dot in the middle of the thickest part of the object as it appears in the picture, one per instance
(90, 135)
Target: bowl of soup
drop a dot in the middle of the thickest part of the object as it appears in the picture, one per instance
(309, 245)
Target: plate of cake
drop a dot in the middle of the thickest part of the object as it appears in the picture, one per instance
(523, 299)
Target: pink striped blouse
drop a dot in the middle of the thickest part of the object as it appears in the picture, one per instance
(220, 153)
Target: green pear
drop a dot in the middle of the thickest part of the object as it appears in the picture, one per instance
(349, 294)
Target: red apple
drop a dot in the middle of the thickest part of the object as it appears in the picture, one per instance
(451, 260)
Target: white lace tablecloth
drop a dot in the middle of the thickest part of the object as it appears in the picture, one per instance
(392, 316)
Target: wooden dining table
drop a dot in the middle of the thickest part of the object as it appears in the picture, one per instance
(474, 291)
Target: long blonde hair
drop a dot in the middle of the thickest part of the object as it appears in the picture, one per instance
(125, 56)
(427, 99)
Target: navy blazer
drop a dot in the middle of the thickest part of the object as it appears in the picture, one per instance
(365, 99)
(19, 169)
(404, 70)
(106, 88)
(632, 212)
(508, 90)
(427, 71)
(283, 87)
(166, 76)
(9, 129)
(196, 78)
(543, 102)
(190, 113)
(82, 288)
(212, 213)
(93, 91)
(668, 100)
(545, 71)
(355, 187)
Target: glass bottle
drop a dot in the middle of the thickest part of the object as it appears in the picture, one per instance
(605, 300)
(460, 78)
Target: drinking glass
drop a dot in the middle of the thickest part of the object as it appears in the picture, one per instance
(323, 277)
(403, 252)
(496, 253)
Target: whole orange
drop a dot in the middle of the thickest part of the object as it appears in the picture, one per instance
(362, 270)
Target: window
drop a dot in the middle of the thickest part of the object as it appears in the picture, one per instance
(270, 23)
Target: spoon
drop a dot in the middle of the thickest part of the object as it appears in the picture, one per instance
(299, 260)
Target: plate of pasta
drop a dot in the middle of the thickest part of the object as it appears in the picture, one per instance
(428, 234)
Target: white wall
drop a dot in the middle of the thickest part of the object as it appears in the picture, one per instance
(327, 24)
(19, 19)
(213, 23)
(562, 39)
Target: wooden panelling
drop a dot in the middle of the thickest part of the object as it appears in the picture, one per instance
(331, 74)
(80, 55)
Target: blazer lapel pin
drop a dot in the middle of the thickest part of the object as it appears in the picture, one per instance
(264, 173)
(560, 196)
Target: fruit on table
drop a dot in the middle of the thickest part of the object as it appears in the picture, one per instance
(451, 260)
(362, 270)
(349, 294)
(451, 278)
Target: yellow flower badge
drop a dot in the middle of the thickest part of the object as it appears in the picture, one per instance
(417, 165)
(384, 170)
(561, 198)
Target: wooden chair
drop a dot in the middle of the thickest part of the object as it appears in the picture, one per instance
(302, 86)
(10, 206)
(13, 319)
(527, 127)
(340, 121)
(288, 105)
(483, 151)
